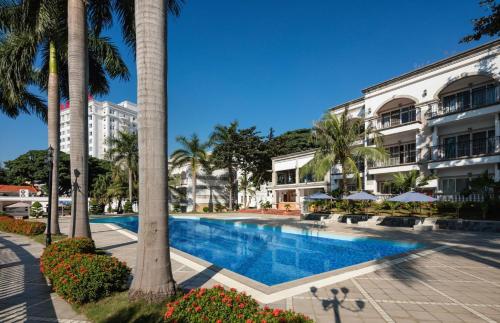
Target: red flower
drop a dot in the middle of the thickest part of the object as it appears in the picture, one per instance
(218, 321)
(242, 305)
(276, 312)
(197, 308)
(249, 321)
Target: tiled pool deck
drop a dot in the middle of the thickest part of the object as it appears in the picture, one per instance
(457, 282)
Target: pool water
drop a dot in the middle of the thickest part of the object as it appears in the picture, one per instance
(266, 253)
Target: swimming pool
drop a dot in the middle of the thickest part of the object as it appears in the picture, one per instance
(267, 254)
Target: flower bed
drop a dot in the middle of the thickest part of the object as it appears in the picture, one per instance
(28, 228)
(83, 278)
(63, 249)
(78, 274)
(220, 305)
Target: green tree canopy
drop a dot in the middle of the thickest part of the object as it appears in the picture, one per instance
(485, 26)
(32, 167)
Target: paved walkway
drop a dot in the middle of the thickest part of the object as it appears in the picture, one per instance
(458, 284)
(24, 293)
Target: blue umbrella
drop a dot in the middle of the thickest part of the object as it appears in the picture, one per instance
(318, 196)
(412, 197)
(361, 196)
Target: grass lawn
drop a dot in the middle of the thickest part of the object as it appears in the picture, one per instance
(40, 238)
(117, 308)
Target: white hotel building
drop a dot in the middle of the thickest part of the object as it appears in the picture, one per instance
(105, 120)
(441, 119)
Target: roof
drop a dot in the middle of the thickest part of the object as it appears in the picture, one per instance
(295, 154)
(18, 204)
(16, 188)
(348, 103)
(434, 65)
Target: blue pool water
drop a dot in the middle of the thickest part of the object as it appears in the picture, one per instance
(266, 254)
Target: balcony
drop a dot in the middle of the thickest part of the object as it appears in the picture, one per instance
(403, 158)
(464, 149)
(397, 118)
(466, 100)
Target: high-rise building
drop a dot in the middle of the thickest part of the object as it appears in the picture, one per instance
(106, 119)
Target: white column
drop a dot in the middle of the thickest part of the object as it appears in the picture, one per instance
(435, 142)
(298, 199)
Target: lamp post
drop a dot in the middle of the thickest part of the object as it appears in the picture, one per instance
(50, 160)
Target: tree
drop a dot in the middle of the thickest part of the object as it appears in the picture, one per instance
(290, 142)
(125, 153)
(36, 209)
(483, 185)
(337, 137)
(192, 153)
(485, 26)
(407, 181)
(225, 140)
(100, 189)
(118, 187)
(153, 280)
(39, 29)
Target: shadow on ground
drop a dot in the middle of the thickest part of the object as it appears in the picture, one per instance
(24, 292)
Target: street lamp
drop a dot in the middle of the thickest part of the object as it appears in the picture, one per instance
(50, 161)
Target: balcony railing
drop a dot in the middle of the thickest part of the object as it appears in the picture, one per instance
(403, 158)
(465, 101)
(464, 149)
(396, 120)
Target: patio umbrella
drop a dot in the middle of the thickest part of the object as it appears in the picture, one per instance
(361, 196)
(318, 196)
(413, 197)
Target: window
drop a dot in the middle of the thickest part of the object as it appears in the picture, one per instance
(285, 177)
(452, 186)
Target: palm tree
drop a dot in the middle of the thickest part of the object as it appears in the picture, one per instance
(39, 28)
(153, 279)
(404, 182)
(337, 137)
(100, 189)
(192, 153)
(118, 187)
(125, 152)
(225, 140)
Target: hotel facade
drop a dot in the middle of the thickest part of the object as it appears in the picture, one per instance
(106, 119)
(441, 119)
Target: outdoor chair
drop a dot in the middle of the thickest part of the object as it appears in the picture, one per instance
(374, 220)
(428, 224)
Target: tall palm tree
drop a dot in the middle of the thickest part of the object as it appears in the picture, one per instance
(39, 28)
(337, 137)
(192, 153)
(153, 280)
(404, 182)
(100, 189)
(125, 152)
(225, 140)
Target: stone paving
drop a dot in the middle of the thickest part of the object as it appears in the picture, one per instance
(460, 283)
(25, 295)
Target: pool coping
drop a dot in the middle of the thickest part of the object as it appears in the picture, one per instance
(270, 294)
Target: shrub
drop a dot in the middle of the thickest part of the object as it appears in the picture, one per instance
(83, 278)
(446, 206)
(220, 305)
(265, 205)
(219, 207)
(62, 249)
(28, 228)
(206, 209)
(127, 207)
(36, 209)
(96, 207)
(176, 207)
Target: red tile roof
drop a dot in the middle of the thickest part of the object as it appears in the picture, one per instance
(16, 188)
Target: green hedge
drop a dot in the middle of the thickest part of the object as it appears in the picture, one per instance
(60, 250)
(28, 228)
(78, 274)
(84, 278)
(220, 305)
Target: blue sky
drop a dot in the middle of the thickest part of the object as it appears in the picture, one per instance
(279, 63)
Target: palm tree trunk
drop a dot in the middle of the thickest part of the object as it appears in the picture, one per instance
(153, 280)
(130, 182)
(231, 187)
(193, 175)
(53, 123)
(344, 180)
(78, 82)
